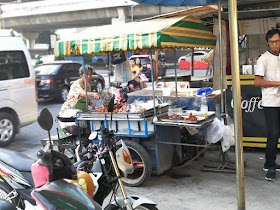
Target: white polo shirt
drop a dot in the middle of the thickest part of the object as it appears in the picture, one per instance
(268, 66)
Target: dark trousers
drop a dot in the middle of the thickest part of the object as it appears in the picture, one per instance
(272, 118)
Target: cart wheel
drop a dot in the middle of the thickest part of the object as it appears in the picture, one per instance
(142, 165)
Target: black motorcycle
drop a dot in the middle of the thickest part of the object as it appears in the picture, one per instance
(102, 160)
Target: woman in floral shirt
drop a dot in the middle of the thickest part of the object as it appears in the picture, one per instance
(77, 94)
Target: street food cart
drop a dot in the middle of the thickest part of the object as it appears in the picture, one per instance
(156, 142)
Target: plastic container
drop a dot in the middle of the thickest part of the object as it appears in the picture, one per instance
(166, 91)
(177, 111)
(203, 105)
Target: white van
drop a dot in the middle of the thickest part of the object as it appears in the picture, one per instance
(18, 94)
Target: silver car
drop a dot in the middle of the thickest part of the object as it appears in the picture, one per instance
(197, 56)
(18, 95)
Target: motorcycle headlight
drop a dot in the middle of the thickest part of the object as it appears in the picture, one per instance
(126, 157)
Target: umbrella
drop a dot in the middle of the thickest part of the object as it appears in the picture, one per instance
(232, 4)
(209, 57)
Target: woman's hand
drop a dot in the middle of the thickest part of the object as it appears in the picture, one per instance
(96, 96)
(93, 105)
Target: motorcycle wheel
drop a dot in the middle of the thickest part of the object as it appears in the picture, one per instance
(5, 190)
(142, 165)
(146, 207)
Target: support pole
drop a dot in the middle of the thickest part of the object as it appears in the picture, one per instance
(175, 76)
(237, 114)
(108, 63)
(221, 57)
(192, 71)
(152, 77)
(85, 78)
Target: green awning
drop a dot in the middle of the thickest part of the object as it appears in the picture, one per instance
(162, 33)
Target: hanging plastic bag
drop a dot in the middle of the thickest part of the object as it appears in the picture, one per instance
(143, 78)
(207, 91)
(118, 57)
(122, 72)
(215, 131)
(228, 135)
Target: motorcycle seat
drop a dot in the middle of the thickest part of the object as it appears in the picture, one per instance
(16, 160)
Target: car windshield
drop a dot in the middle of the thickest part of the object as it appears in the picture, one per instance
(144, 61)
(198, 54)
(47, 69)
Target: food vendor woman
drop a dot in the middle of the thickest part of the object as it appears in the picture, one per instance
(77, 94)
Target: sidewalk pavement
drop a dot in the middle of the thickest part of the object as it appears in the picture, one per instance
(190, 188)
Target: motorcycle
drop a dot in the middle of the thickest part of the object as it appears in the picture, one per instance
(17, 183)
(51, 190)
(102, 161)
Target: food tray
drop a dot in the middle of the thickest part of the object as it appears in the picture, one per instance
(162, 108)
(199, 118)
(197, 113)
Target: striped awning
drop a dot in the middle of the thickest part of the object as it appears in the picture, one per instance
(175, 32)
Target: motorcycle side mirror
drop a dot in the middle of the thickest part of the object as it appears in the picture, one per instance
(45, 119)
(92, 136)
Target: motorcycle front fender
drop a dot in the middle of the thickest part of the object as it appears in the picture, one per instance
(135, 200)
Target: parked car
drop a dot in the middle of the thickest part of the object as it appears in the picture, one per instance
(18, 100)
(54, 79)
(146, 62)
(197, 56)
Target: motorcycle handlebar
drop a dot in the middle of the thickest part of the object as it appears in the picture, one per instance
(43, 155)
(83, 153)
(83, 163)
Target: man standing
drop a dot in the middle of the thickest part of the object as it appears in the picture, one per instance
(267, 77)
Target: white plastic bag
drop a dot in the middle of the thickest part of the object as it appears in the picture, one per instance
(122, 72)
(228, 135)
(143, 78)
(215, 131)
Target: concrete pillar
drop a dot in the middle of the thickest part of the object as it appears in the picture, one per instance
(122, 16)
(31, 37)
